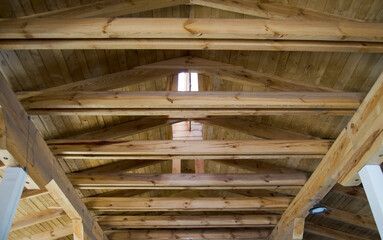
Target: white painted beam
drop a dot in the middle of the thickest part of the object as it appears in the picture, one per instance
(11, 188)
(372, 179)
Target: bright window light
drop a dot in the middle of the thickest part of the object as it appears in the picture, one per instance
(194, 82)
(187, 82)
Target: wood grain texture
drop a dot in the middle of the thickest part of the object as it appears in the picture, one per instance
(38, 28)
(185, 181)
(186, 204)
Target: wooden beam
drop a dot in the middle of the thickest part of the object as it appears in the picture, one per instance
(36, 218)
(109, 8)
(21, 140)
(259, 130)
(238, 74)
(351, 218)
(365, 131)
(330, 233)
(186, 204)
(194, 44)
(193, 148)
(186, 181)
(52, 235)
(77, 156)
(296, 230)
(357, 145)
(203, 103)
(206, 221)
(190, 234)
(98, 28)
(78, 230)
(269, 10)
(124, 129)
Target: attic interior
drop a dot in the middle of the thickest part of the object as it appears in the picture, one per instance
(191, 119)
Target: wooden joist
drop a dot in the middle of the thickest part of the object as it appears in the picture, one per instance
(186, 149)
(184, 103)
(205, 221)
(189, 234)
(116, 167)
(194, 44)
(21, 141)
(359, 144)
(174, 28)
(186, 181)
(186, 204)
(35, 218)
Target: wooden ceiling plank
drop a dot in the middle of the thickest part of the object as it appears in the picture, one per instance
(185, 181)
(190, 234)
(186, 204)
(190, 148)
(194, 44)
(260, 130)
(351, 218)
(269, 10)
(124, 129)
(209, 221)
(17, 130)
(360, 143)
(330, 233)
(52, 235)
(109, 8)
(36, 218)
(118, 167)
(109, 81)
(174, 28)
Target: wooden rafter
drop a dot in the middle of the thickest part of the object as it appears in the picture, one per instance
(109, 8)
(359, 144)
(238, 74)
(351, 218)
(186, 204)
(124, 129)
(186, 181)
(269, 10)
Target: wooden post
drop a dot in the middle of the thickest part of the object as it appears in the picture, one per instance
(11, 188)
(372, 179)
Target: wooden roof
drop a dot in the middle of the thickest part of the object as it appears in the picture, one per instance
(339, 70)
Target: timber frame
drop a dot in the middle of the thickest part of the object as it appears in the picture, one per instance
(287, 112)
